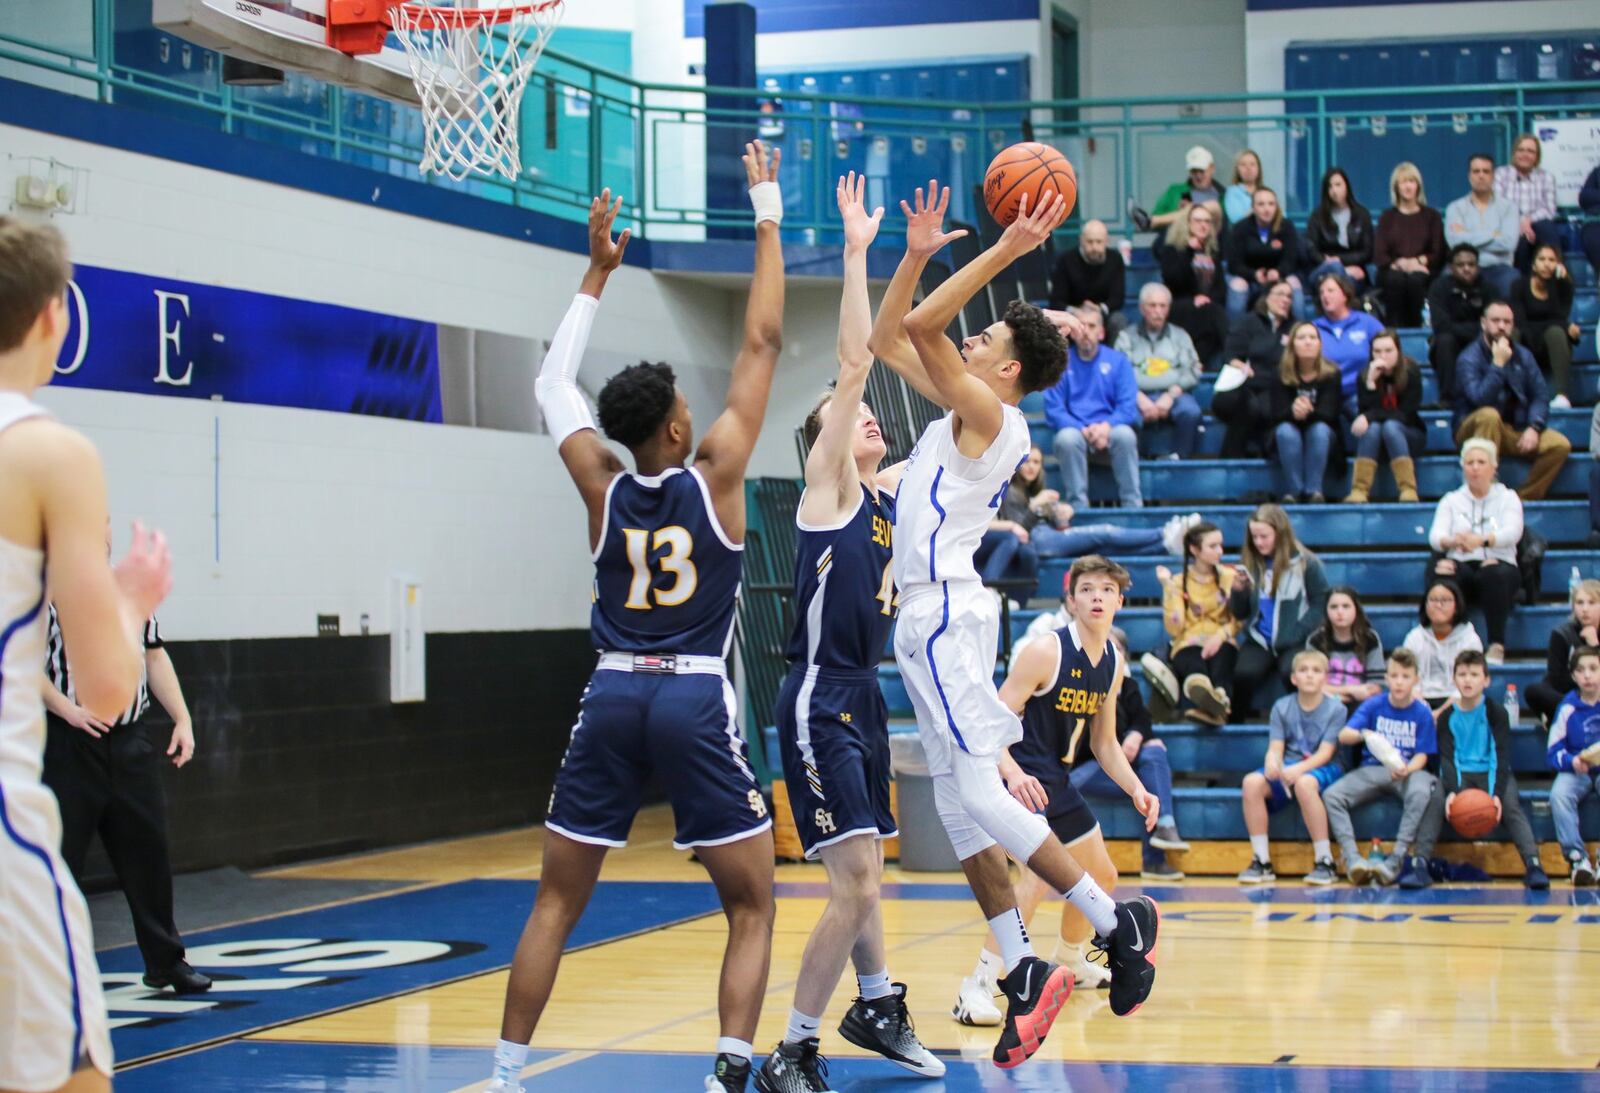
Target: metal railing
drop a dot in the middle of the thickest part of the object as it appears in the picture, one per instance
(647, 140)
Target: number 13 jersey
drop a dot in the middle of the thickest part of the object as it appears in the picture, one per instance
(666, 574)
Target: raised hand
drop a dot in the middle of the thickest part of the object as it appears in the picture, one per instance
(759, 167)
(924, 224)
(145, 573)
(605, 254)
(1030, 229)
(860, 229)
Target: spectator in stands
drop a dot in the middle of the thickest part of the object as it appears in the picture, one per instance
(1302, 409)
(1398, 731)
(1302, 762)
(1593, 542)
(1048, 521)
(1574, 735)
(1475, 533)
(1502, 398)
(1487, 221)
(1532, 192)
(1255, 348)
(1408, 247)
(1166, 369)
(1442, 635)
(1340, 232)
(1009, 549)
(1006, 553)
(1242, 189)
(1456, 303)
(1475, 753)
(1347, 332)
(1094, 410)
(1197, 188)
(1191, 268)
(1280, 592)
(1388, 396)
(1582, 628)
(1194, 604)
(1262, 250)
(1589, 202)
(1542, 305)
(1092, 273)
(1353, 648)
(1147, 753)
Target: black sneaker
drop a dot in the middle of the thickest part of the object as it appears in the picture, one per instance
(1257, 872)
(1415, 873)
(1035, 992)
(732, 1072)
(883, 1025)
(1536, 878)
(792, 1068)
(1322, 874)
(180, 977)
(1140, 218)
(1130, 952)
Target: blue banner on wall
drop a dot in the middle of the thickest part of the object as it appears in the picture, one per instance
(782, 16)
(158, 336)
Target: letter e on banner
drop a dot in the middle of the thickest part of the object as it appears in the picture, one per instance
(171, 335)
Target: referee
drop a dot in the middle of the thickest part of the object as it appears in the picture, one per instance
(107, 778)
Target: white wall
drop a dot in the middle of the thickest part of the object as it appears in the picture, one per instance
(1270, 32)
(1140, 48)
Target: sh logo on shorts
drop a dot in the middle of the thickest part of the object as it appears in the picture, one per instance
(824, 822)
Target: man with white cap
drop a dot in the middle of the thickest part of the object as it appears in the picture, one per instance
(1197, 188)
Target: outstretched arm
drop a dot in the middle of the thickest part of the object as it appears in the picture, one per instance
(725, 450)
(977, 408)
(1113, 760)
(831, 473)
(925, 236)
(591, 464)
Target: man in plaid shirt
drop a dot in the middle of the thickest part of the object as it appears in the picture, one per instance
(1532, 190)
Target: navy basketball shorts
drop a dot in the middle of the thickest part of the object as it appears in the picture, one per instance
(833, 734)
(681, 728)
(1068, 813)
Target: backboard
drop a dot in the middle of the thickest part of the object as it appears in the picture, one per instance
(287, 34)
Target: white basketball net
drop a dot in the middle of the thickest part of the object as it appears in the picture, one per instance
(471, 65)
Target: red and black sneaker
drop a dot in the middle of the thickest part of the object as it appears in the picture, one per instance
(1131, 953)
(1035, 992)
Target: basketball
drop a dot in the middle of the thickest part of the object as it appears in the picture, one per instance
(1027, 168)
(1472, 814)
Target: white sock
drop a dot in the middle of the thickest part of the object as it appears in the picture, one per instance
(1067, 950)
(802, 1027)
(509, 1059)
(990, 967)
(727, 1045)
(1320, 850)
(1260, 848)
(1013, 937)
(875, 986)
(1091, 899)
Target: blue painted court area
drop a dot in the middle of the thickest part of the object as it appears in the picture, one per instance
(364, 1068)
(295, 966)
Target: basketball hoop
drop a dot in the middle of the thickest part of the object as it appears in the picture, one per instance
(471, 65)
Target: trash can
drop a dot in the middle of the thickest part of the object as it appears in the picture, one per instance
(924, 847)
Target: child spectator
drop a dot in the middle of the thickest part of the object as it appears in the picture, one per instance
(1583, 628)
(1304, 734)
(1388, 397)
(1279, 595)
(1443, 634)
(1574, 754)
(1475, 753)
(1398, 731)
(1136, 734)
(1353, 649)
(1195, 609)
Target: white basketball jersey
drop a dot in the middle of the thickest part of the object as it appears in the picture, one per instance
(22, 637)
(946, 501)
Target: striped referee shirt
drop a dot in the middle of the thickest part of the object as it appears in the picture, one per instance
(60, 672)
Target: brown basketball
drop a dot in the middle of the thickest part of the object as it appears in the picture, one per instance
(1472, 814)
(1031, 168)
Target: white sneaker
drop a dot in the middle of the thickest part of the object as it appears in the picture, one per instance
(1379, 748)
(1160, 677)
(1084, 974)
(1173, 530)
(1561, 402)
(498, 1086)
(975, 1003)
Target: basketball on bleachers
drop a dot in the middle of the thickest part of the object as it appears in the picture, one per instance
(1472, 814)
(1031, 168)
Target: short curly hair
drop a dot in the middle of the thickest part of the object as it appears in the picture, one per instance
(1037, 344)
(634, 402)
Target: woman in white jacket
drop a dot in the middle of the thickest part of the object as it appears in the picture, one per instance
(1443, 635)
(1474, 537)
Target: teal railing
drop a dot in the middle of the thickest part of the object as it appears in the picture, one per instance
(584, 127)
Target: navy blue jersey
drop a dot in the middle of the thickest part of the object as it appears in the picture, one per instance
(665, 576)
(1056, 720)
(844, 590)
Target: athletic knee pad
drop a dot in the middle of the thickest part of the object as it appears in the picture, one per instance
(966, 836)
(1002, 817)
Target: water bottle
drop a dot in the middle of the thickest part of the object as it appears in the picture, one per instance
(1572, 585)
(1513, 705)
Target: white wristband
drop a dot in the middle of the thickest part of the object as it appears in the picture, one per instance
(767, 199)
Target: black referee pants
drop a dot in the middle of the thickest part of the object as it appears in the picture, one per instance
(112, 785)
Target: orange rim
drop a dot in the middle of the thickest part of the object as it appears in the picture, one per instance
(429, 17)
